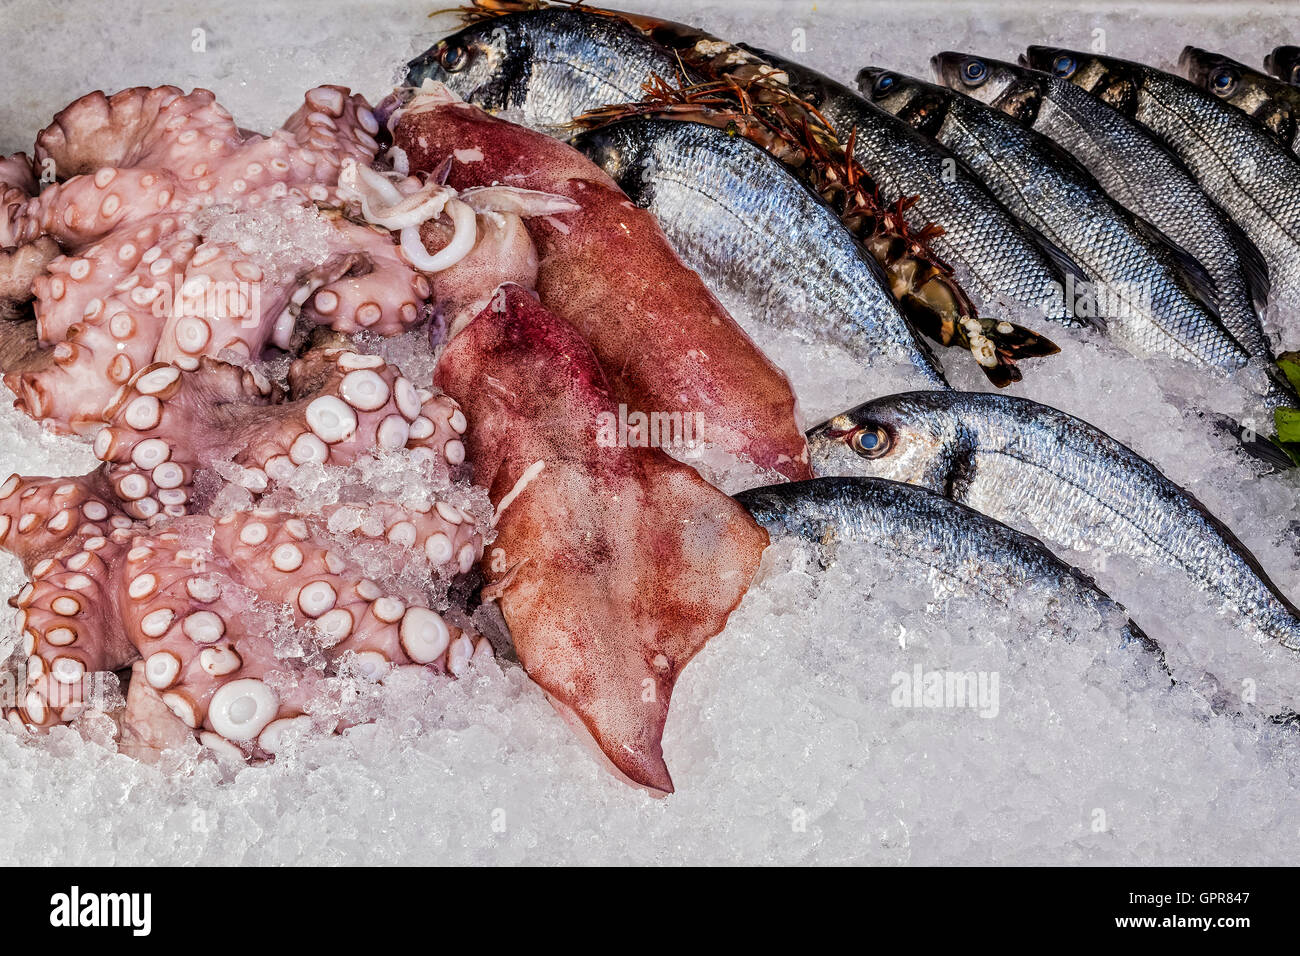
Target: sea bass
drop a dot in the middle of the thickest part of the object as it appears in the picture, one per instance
(963, 552)
(999, 261)
(1136, 171)
(1143, 286)
(1272, 102)
(1239, 165)
(1050, 474)
(757, 236)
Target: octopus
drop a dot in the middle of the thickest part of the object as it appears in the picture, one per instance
(206, 306)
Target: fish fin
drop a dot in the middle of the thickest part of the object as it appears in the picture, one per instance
(1259, 447)
(1253, 263)
(1061, 259)
(1059, 256)
(1199, 282)
(960, 476)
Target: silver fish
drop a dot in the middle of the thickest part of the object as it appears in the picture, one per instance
(999, 261)
(964, 552)
(1147, 289)
(1048, 473)
(758, 238)
(1272, 102)
(1239, 165)
(548, 65)
(1284, 63)
(1136, 171)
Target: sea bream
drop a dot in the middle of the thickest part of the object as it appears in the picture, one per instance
(1135, 170)
(961, 552)
(1153, 296)
(1000, 262)
(1238, 163)
(765, 244)
(1050, 474)
(1272, 102)
(545, 65)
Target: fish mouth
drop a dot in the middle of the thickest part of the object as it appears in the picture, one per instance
(1195, 62)
(1039, 57)
(947, 66)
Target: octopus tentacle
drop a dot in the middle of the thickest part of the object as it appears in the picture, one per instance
(43, 517)
(136, 126)
(86, 208)
(71, 630)
(379, 291)
(17, 186)
(20, 268)
(165, 425)
(335, 125)
(197, 601)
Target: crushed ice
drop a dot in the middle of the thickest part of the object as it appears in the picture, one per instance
(784, 739)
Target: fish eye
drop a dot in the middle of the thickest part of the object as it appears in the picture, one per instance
(1063, 65)
(884, 83)
(974, 72)
(453, 57)
(1222, 81)
(871, 442)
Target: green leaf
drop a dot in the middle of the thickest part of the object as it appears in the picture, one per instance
(1287, 421)
(1289, 363)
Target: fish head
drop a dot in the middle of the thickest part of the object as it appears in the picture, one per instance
(1284, 63)
(1013, 89)
(481, 63)
(1220, 75)
(921, 104)
(1263, 97)
(912, 438)
(1113, 81)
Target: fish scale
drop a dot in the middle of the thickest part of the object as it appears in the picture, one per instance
(757, 236)
(1050, 474)
(1061, 200)
(1000, 264)
(935, 538)
(1140, 174)
(1238, 164)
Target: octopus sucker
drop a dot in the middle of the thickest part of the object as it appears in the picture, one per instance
(279, 511)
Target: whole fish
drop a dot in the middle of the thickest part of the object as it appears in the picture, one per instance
(1239, 165)
(1146, 289)
(1000, 262)
(1284, 63)
(757, 236)
(547, 65)
(1135, 170)
(555, 63)
(963, 552)
(1272, 102)
(1050, 474)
